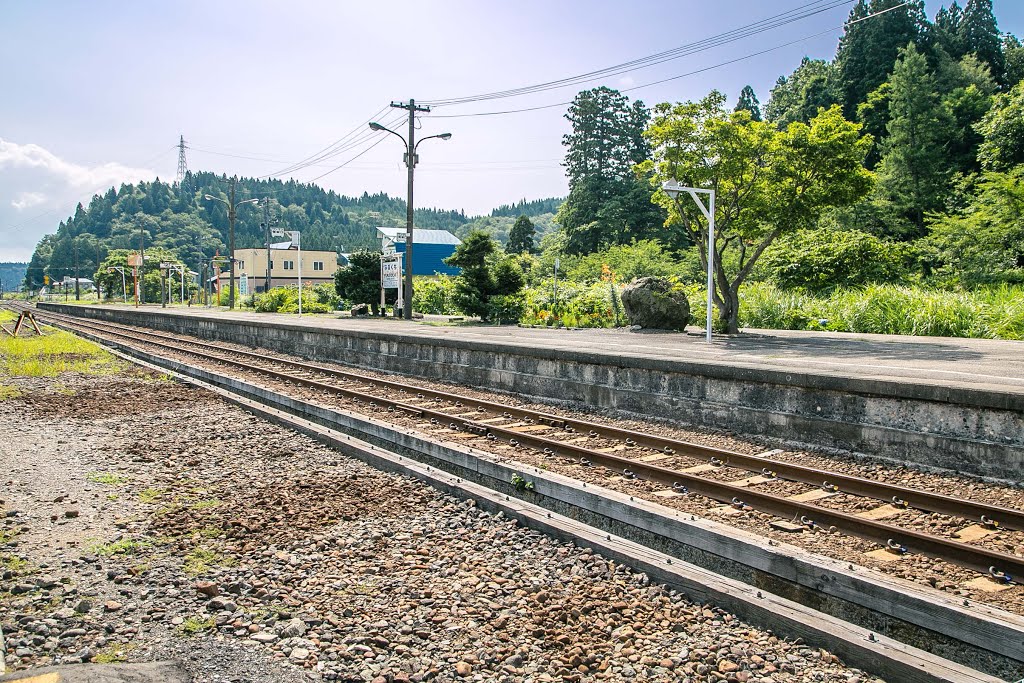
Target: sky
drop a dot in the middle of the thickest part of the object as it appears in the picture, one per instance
(98, 93)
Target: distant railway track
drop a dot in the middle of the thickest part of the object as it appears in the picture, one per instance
(683, 468)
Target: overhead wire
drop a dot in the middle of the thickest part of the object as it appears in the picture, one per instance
(775, 21)
(677, 77)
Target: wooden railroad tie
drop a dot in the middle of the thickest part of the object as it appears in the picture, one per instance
(25, 316)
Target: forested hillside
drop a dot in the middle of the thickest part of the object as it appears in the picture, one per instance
(178, 218)
(12, 275)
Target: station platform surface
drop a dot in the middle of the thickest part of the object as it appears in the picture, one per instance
(986, 365)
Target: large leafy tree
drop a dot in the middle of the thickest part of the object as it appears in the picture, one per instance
(914, 172)
(979, 35)
(767, 181)
(1003, 131)
(606, 142)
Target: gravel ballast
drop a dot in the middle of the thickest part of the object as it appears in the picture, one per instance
(147, 520)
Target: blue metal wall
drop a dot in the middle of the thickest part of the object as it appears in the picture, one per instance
(427, 258)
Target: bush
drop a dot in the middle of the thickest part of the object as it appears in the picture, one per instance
(628, 261)
(435, 296)
(577, 305)
(822, 259)
(319, 299)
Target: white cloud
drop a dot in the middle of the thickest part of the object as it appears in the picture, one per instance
(34, 177)
(26, 200)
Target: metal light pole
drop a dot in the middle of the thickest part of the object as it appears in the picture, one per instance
(232, 207)
(411, 158)
(672, 188)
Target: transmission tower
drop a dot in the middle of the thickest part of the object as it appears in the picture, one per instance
(182, 164)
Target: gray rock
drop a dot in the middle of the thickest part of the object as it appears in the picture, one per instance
(293, 628)
(654, 302)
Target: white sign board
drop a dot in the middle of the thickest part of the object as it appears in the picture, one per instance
(243, 285)
(391, 273)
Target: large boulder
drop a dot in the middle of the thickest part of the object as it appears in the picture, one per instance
(656, 303)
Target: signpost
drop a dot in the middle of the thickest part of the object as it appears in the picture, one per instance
(391, 277)
(243, 284)
(135, 260)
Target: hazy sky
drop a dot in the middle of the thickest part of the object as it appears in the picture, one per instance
(97, 93)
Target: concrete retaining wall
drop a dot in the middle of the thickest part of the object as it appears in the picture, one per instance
(959, 429)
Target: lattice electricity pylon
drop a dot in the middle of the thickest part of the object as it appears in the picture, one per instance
(182, 164)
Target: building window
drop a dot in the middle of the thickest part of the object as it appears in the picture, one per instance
(271, 265)
(289, 265)
(318, 265)
(241, 265)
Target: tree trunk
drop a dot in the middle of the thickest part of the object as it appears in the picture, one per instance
(729, 311)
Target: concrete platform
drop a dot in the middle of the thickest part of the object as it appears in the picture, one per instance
(948, 403)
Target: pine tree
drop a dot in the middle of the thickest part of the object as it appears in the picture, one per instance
(914, 170)
(812, 86)
(979, 34)
(868, 49)
(520, 237)
(749, 102)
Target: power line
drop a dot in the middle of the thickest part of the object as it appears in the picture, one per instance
(684, 75)
(772, 22)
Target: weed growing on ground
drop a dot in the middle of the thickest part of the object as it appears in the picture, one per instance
(113, 654)
(53, 353)
(195, 625)
(201, 560)
(16, 565)
(123, 547)
(7, 535)
(150, 495)
(107, 478)
(205, 504)
(8, 392)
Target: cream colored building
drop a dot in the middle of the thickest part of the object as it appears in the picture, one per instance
(318, 267)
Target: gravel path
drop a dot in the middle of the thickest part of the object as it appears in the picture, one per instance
(145, 520)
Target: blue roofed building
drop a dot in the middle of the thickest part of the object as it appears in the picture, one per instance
(430, 248)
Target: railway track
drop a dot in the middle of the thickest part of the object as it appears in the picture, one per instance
(683, 468)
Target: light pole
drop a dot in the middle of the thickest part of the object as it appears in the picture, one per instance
(673, 189)
(232, 206)
(410, 161)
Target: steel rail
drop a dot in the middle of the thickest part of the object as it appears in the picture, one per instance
(901, 540)
(992, 516)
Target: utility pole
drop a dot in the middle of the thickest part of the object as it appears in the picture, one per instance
(410, 162)
(232, 210)
(78, 288)
(141, 298)
(182, 166)
(267, 224)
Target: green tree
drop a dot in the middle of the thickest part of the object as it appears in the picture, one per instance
(767, 181)
(606, 142)
(749, 102)
(486, 275)
(798, 97)
(868, 49)
(914, 171)
(984, 243)
(520, 237)
(1002, 129)
(1013, 52)
(979, 35)
(359, 281)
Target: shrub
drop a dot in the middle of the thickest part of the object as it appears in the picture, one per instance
(822, 259)
(435, 296)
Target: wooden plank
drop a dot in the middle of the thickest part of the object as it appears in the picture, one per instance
(532, 428)
(613, 449)
(656, 457)
(696, 469)
(668, 493)
(788, 527)
(987, 585)
(883, 555)
(751, 481)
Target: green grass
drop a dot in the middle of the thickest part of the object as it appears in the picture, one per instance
(151, 494)
(195, 625)
(123, 547)
(113, 654)
(8, 392)
(201, 560)
(14, 564)
(107, 478)
(53, 353)
(206, 504)
(7, 535)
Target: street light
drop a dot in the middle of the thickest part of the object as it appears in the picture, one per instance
(673, 189)
(411, 159)
(232, 206)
